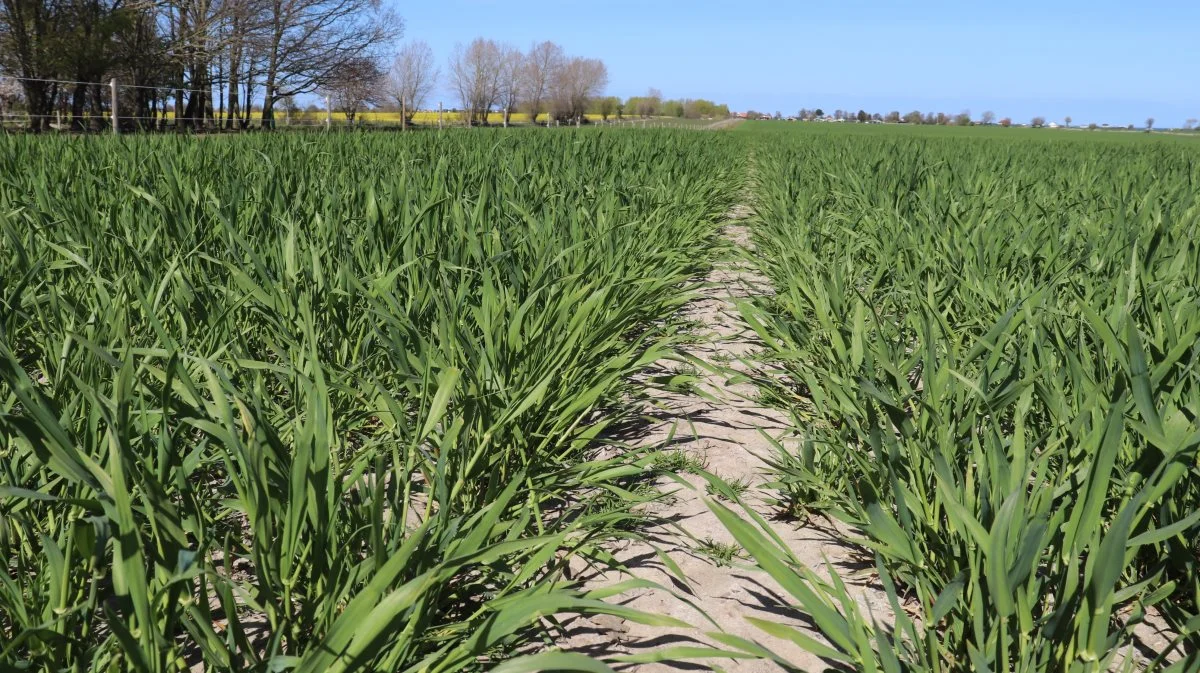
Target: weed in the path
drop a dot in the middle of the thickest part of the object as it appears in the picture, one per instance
(723, 554)
(730, 491)
(723, 358)
(680, 462)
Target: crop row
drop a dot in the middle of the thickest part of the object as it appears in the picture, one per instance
(989, 350)
(326, 403)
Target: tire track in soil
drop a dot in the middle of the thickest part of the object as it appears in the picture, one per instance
(727, 436)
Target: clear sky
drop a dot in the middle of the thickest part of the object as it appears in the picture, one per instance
(1103, 62)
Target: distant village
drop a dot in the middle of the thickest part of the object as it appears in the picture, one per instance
(930, 118)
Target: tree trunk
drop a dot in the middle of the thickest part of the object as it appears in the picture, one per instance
(78, 99)
(235, 67)
(247, 95)
(98, 107)
(38, 97)
(232, 112)
(220, 85)
(268, 110)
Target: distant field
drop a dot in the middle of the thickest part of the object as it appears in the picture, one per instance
(923, 131)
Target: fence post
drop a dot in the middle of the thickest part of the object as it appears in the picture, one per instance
(439, 115)
(116, 124)
(328, 114)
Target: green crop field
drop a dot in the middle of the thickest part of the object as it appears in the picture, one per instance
(324, 403)
(349, 401)
(988, 348)
(779, 129)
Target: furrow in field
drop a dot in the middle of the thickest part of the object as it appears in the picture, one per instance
(717, 424)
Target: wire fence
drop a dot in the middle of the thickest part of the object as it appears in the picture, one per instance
(118, 113)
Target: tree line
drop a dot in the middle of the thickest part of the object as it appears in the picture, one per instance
(486, 76)
(230, 63)
(194, 56)
(222, 63)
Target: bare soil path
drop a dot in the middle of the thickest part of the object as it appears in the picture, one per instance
(721, 426)
(724, 124)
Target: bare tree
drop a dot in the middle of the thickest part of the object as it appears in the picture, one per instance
(512, 63)
(1149, 123)
(1038, 122)
(1188, 124)
(988, 117)
(1068, 120)
(649, 105)
(475, 75)
(244, 34)
(538, 70)
(354, 85)
(198, 36)
(307, 41)
(579, 81)
(32, 35)
(414, 76)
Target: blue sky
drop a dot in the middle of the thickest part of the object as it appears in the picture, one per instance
(1105, 62)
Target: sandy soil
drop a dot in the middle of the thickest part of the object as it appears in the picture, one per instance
(727, 434)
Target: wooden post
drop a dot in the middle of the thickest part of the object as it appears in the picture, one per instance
(112, 85)
(328, 114)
